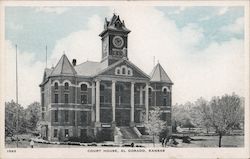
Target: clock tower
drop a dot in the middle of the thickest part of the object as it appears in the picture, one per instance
(114, 40)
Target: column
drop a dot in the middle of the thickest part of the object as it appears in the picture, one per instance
(146, 101)
(93, 102)
(141, 96)
(132, 98)
(113, 100)
(97, 100)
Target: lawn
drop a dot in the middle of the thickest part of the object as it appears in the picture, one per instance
(202, 141)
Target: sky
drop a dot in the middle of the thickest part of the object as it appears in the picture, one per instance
(201, 48)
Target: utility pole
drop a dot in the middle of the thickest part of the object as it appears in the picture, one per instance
(17, 123)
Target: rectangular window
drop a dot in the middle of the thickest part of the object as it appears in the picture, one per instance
(66, 132)
(43, 108)
(56, 115)
(164, 101)
(83, 117)
(56, 98)
(66, 116)
(101, 99)
(83, 133)
(55, 132)
(42, 116)
(149, 101)
(66, 98)
(84, 99)
(42, 102)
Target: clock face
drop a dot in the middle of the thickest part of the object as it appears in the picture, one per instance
(118, 41)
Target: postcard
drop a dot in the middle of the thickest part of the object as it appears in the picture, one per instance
(126, 79)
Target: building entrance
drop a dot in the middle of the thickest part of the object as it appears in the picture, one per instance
(122, 117)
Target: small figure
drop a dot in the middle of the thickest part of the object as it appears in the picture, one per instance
(31, 143)
(132, 144)
(162, 141)
(165, 141)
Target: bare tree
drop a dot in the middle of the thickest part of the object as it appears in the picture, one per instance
(155, 125)
(224, 113)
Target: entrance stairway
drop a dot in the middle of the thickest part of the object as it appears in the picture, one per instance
(128, 133)
(132, 135)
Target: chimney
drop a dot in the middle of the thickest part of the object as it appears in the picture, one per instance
(74, 62)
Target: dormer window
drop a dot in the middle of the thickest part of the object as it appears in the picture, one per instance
(56, 86)
(66, 86)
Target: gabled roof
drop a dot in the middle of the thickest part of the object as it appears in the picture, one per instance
(102, 71)
(63, 67)
(159, 75)
(88, 68)
(114, 24)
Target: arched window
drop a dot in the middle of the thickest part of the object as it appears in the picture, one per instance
(56, 86)
(118, 71)
(129, 73)
(165, 91)
(149, 91)
(66, 85)
(123, 71)
(84, 87)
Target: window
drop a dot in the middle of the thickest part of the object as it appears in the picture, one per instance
(66, 132)
(56, 98)
(165, 91)
(66, 85)
(123, 71)
(84, 87)
(66, 98)
(56, 115)
(66, 116)
(55, 132)
(102, 99)
(149, 101)
(42, 116)
(56, 86)
(164, 101)
(149, 91)
(83, 117)
(43, 108)
(42, 102)
(118, 71)
(84, 99)
(102, 87)
(83, 132)
(129, 73)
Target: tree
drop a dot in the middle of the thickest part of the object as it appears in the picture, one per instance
(155, 125)
(200, 114)
(14, 119)
(224, 113)
(33, 112)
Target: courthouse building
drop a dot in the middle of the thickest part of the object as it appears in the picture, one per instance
(80, 100)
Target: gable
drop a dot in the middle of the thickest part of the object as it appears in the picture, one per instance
(124, 68)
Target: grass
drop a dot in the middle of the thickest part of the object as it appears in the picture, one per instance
(201, 141)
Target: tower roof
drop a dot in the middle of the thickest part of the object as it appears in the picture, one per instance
(63, 67)
(159, 75)
(115, 24)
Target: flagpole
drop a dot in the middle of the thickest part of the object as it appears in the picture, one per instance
(17, 123)
(46, 56)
